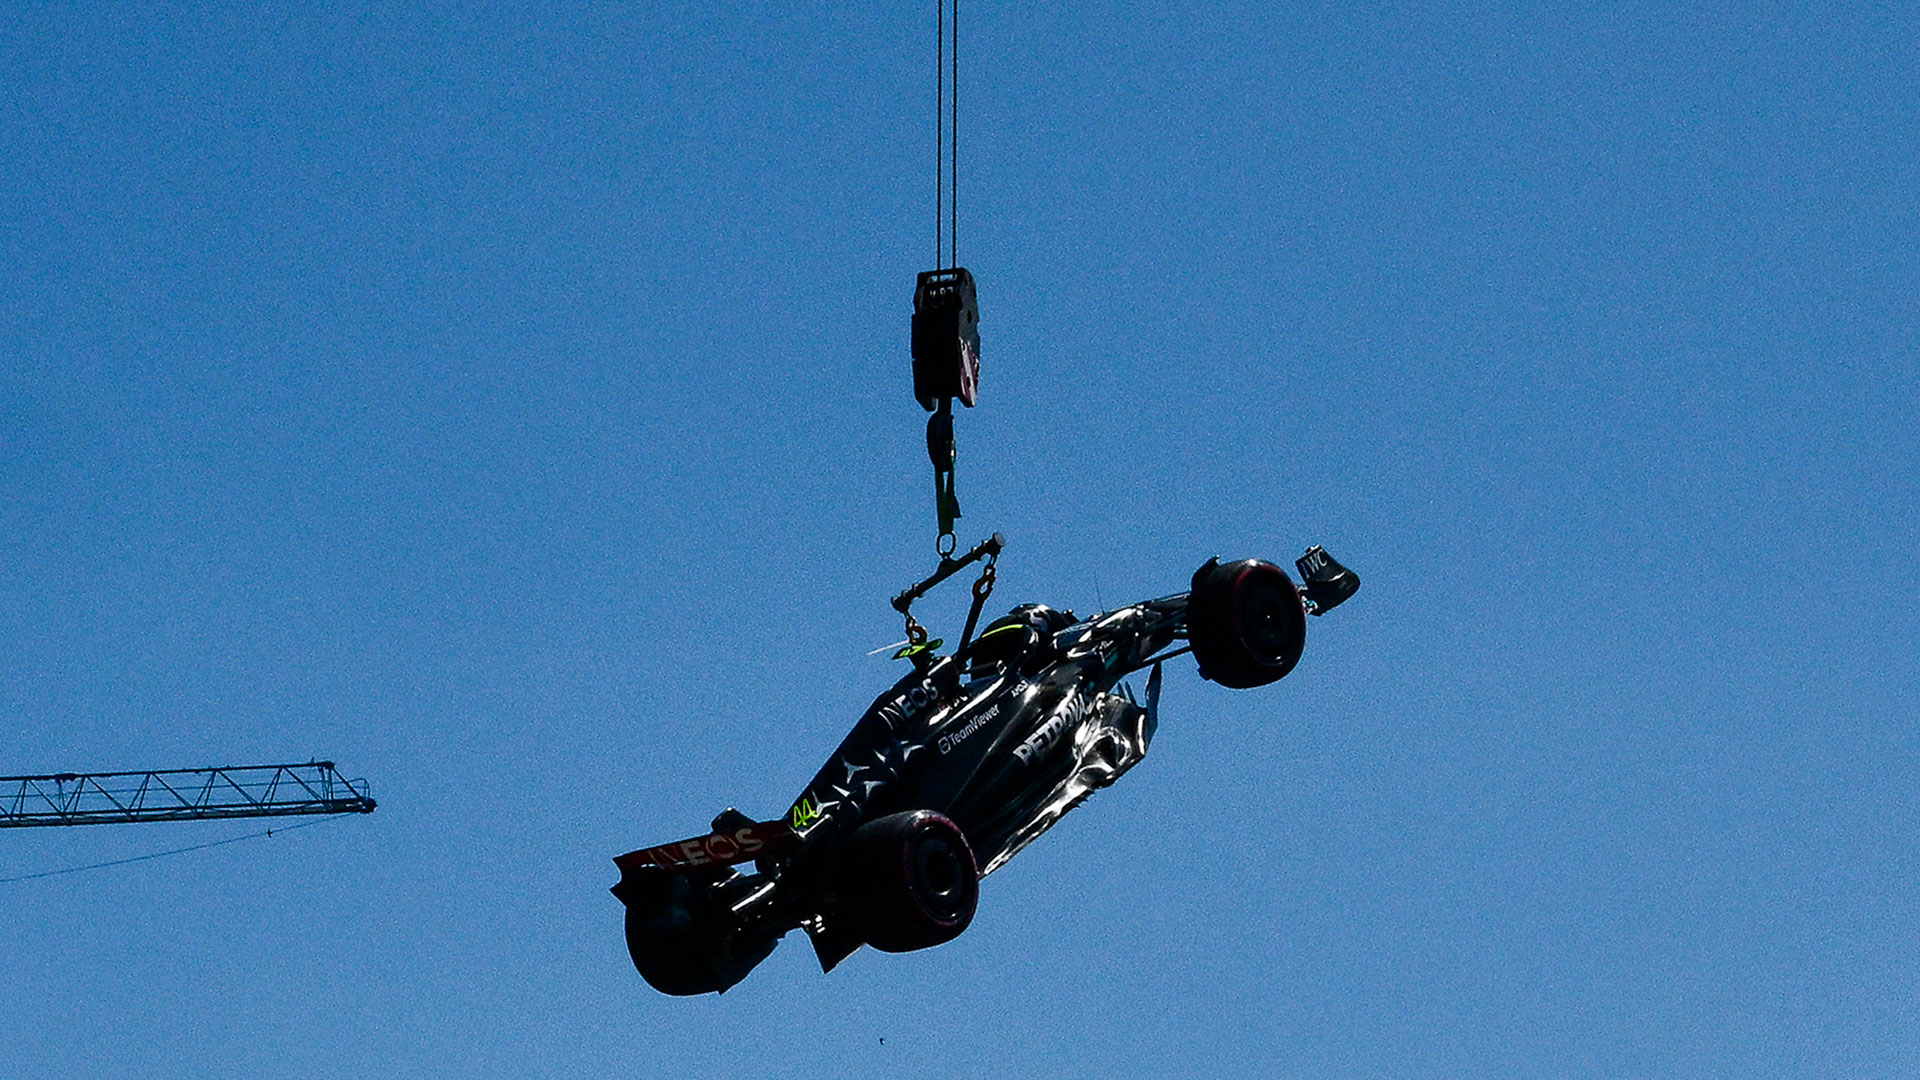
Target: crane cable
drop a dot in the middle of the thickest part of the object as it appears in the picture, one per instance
(946, 199)
(946, 342)
(946, 137)
(164, 854)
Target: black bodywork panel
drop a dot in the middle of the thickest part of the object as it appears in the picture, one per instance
(1003, 742)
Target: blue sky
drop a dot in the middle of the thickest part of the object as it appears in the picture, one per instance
(513, 406)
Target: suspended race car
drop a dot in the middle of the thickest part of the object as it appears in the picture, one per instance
(952, 772)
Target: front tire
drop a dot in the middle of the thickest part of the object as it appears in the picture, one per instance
(910, 881)
(1246, 623)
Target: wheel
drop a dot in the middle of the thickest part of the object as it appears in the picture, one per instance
(668, 950)
(672, 963)
(909, 880)
(1246, 623)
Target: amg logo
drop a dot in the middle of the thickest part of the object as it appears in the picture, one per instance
(948, 742)
(1070, 715)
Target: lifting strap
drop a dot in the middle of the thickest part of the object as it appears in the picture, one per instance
(943, 453)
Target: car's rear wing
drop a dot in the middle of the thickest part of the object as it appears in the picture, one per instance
(721, 848)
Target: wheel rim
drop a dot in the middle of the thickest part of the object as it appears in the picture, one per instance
(1268, 617)
(939, 880)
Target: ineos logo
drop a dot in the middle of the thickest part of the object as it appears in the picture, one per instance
(720, 847)
(910, 704)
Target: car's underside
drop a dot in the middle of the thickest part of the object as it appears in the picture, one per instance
(951, 772)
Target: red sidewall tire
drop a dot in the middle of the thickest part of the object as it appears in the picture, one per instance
(1246, 623)
(910, 881)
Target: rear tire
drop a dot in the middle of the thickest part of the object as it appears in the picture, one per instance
(1246, 623)
(667, 948)
(909, 881)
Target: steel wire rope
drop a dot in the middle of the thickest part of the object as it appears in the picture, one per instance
(164, 854)
(939, 132)
(946, 137)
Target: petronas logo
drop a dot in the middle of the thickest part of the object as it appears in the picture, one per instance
(805, 812)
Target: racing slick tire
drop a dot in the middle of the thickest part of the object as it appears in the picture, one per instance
(910, 881)
(1246, 623)
(670, 955)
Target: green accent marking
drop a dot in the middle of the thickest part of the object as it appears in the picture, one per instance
(915, 650)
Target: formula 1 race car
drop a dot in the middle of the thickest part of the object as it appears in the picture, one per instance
(952, 772)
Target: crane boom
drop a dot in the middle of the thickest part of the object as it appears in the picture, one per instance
(180, 795)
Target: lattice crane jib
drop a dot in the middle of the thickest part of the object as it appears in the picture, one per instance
(244, 791)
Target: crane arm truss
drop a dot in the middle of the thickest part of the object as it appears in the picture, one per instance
(243, 791)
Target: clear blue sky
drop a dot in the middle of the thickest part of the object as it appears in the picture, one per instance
(512, 405)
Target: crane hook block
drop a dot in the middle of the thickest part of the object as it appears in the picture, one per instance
(946, 338)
